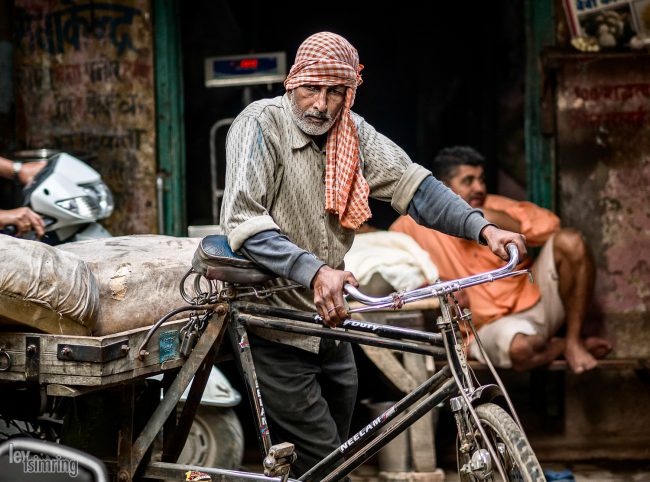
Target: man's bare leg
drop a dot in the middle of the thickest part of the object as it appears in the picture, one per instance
(531, 351)
(575, 270)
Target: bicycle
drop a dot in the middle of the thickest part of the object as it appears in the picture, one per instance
(490, 443)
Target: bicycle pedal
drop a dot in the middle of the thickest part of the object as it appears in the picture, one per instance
(279, 459)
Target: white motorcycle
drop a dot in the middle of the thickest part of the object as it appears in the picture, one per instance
(69, 195)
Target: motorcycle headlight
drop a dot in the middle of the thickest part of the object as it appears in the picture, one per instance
(82, 206)
(103, 197)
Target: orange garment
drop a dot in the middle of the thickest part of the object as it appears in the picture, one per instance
(457, 258)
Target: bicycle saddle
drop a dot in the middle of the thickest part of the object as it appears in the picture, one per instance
(216, 261)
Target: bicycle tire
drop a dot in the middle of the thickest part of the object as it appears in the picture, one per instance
(516, 455)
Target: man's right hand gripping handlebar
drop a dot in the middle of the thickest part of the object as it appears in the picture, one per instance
(328, 294)
(497, 239)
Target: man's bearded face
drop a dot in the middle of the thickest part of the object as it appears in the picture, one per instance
(315, 108)
(469, 183)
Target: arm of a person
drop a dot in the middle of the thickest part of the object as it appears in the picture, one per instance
(27, 171)
(393, 177)
(434, 205)
(276, 252)
(24, 219)
(6, 168)
(249, 189)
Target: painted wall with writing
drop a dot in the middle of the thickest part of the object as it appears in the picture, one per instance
(84, 82)
(604, 174)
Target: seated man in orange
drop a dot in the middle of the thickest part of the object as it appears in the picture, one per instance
(517, 321)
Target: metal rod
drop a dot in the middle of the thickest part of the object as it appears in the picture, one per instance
(470, 408)
(169, 402)
(216, 194)
(163, 470)
(440, 288)
(160, 196)
(258, 309)
(241, 348)
(338, 334)
(174, 444)
(355, 325)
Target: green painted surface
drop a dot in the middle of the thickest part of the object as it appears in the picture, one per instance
(169, 115)
(540, 171)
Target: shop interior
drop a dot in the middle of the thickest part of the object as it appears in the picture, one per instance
(436, 74)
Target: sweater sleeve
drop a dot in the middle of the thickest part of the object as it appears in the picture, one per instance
(436, 206)
(278, 254)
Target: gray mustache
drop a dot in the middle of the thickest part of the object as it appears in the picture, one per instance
(318, 115)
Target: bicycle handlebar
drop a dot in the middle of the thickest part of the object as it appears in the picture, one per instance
(441, 288)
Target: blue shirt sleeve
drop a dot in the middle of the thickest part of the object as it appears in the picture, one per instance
(277, 253)
(436, 206)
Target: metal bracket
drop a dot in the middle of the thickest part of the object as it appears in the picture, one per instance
(32, 358)
(93, 354)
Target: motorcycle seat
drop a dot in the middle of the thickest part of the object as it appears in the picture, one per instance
(216, 261)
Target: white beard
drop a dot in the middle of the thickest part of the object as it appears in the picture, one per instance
(307, 127)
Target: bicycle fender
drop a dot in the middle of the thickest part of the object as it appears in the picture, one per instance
(485, 393)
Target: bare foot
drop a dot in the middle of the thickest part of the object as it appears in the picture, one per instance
(578, 357)
(598, 347)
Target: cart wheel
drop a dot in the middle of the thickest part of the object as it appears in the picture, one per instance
(216, 439)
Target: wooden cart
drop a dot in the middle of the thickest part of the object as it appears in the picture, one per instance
(76, 366)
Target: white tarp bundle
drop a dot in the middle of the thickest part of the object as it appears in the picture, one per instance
(137, 277)
(97, 287)
(45, 288)
(395, 257)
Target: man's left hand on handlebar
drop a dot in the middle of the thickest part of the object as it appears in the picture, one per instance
(24, 220)
(328, 294)
(497, 239)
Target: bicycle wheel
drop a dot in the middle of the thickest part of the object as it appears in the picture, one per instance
(517, 457)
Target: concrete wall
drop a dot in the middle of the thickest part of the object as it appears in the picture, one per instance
(84, 81)
(603, 172)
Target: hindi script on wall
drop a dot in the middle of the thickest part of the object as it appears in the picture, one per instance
(85, 83)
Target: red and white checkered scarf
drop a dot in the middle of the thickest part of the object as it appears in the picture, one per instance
(328, 59)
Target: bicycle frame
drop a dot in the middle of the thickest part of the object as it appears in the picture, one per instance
(452, 383)
(440, 387)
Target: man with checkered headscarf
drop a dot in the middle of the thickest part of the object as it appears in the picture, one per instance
(300, 170)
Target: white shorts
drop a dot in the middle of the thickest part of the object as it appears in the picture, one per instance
(544, 318)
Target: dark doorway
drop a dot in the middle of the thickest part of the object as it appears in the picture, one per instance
(436, 74)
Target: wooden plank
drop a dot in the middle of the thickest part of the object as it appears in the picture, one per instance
(57, 390)
(106, 381)
(561, 365)
(423, 451)
(386, 361)
(70, 372)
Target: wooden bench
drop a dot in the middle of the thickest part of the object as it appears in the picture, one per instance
(640, 364)
(567, 417)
